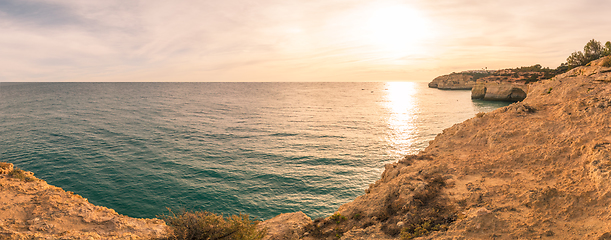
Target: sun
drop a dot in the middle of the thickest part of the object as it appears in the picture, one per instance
(397, 30)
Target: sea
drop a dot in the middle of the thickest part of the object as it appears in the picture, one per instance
(260, 149)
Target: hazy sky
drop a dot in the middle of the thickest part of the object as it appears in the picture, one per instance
(288, 40)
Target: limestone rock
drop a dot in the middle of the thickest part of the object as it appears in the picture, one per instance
(478, 91)
(286, 226)
(37, 210)
(595, 69)
(535, 169)
(455, 81)
(499, 92)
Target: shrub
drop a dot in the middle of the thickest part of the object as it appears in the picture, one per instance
(20, 174)
(196, 225)
(338, 218)
(607, 62)
(427, 212)
(477, 75)
(591, 51)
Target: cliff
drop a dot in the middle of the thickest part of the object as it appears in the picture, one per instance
(540, 168)
(494, 85)
(509, 84)
(454, 81)
(32, 209)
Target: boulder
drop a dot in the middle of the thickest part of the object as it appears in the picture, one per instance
(285, 226)
(478, 91)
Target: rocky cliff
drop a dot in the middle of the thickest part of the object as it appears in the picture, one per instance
(494, 85)
(454, 81)
(540, 168)
(32, 209)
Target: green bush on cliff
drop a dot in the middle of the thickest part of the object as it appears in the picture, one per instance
(20, 174)
(591, 51)
(338, 218)
(196, 225)
(476, 75)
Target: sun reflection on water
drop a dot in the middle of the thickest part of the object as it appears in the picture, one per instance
(402, 104)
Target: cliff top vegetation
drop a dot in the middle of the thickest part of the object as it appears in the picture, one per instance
(593, 50)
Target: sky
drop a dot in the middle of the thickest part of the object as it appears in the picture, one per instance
(287, 40)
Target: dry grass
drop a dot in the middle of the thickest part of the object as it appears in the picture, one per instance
(427, 212)
(196, 225)
(20, 174)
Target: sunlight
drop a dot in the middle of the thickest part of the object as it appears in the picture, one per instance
(397, 30)
(402, 105)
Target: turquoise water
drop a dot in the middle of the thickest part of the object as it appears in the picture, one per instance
(256, 148)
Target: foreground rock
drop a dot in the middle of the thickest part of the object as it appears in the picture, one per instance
(540, 168)
(285, 226)
(33, 209)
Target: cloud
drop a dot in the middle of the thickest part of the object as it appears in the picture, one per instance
(43, 14)
(229, 40)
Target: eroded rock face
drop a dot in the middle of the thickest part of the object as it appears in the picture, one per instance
(37, 210)
(478, 91)
(499, 92)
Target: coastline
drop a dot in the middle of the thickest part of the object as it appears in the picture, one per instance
(539, 168)
(492, 176)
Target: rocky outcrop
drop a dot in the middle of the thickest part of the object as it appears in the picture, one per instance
(285, 226)
(32, 209)
(478, 91)
(499, 91)
(454, 81)
(468, 79)
(498, 85)
(599, 70)
(540, 168)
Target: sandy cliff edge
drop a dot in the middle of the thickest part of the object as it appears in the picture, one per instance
(540, 168)
(34, 209)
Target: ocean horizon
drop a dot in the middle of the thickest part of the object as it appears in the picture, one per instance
(255, 148)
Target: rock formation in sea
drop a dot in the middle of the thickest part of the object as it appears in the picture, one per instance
(32, 209)
(494, 85)
(540, 168)
(499, 91)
